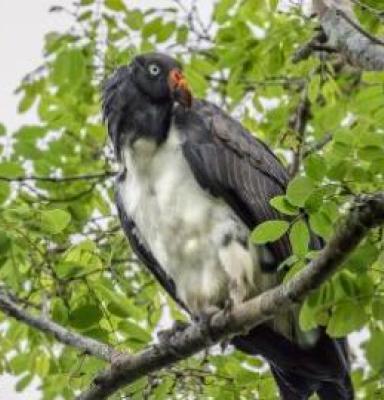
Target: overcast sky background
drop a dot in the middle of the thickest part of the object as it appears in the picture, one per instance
(23, 24)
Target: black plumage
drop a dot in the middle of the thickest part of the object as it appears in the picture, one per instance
(147, 100)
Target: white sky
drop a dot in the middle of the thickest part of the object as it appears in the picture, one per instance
(23, 24)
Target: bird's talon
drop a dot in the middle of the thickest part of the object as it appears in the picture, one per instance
(228, 307)
(204, 321)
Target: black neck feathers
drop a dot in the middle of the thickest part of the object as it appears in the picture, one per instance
(131, 114)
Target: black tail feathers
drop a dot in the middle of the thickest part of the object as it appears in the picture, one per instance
(299, 373)
(293, 386)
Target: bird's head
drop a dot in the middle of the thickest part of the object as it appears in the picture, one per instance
(160, 77)
(138, 99)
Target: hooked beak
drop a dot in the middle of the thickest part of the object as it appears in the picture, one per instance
(179, 88)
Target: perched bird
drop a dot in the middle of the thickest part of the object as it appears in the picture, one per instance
(192, 186)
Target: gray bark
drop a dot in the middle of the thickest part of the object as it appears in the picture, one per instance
(10, 306)
(360, 49)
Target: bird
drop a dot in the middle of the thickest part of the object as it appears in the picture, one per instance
(192, 185)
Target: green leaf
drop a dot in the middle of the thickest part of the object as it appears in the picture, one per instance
(118, 310)
(307, 319)
(221, 10)
(85, 316)
(151, 28)
(196, 80)
(59, 311)
(164, 389)
(299, 238)
(182, 35)
(4, 191)
(54, 221)
(371, 153)
(115, 5)
(3, 131)
(134, 19)
(314, 201)
(134, 331)
(166, 31)
(299, 189)
(321, 224)
(23, 382)
(378, 309)
(96, 133)
(11, 169)
(269, 231)
(293, 270)
(19, 363)
(69, 68)
(347, 317)
(27, 101)
(315, 167)
(5, 242)
(280, 203)
(375, 350)
(346, 281)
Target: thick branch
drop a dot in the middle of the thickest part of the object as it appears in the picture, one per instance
(9, 305)
(344, 33)
(367, 213)
(360, 48)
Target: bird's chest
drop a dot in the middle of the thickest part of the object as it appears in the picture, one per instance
(185, 228)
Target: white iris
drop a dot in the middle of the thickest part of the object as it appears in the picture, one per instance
(154, 69)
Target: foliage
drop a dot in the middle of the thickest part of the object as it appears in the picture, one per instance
(62, 250)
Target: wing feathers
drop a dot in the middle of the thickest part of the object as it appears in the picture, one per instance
(232, 164)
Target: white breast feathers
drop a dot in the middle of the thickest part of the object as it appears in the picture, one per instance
(196, 238)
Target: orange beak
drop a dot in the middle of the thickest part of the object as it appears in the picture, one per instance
(179, 88)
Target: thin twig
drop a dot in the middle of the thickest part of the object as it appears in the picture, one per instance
(9, 304)
(55, 179)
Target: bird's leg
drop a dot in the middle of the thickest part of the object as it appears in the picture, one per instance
(228, 306)
(204, 321)
(227, 309)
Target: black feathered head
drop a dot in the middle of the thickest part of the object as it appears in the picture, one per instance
(161, 78)
(138, 98)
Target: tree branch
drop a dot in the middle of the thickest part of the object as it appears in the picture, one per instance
(9, 305)
(366, 213)
(55, 179)
(298, 123)
(315, 147)
(344, 33)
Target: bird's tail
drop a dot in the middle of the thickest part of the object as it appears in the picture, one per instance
(322, 369)
(294, 386)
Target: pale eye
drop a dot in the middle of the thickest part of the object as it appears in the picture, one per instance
(154, 69)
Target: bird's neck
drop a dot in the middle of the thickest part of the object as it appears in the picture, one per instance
(151, 123)
(140, 118)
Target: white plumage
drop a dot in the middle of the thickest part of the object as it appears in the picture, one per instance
(196, 238)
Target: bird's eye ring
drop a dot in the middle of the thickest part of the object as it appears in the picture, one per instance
(154, 69)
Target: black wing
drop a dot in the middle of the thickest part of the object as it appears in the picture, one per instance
(144, 254)
(232, 164)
